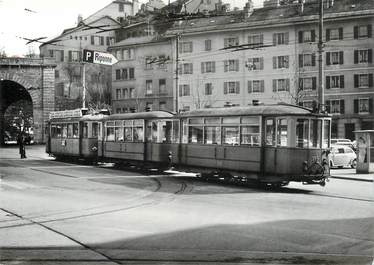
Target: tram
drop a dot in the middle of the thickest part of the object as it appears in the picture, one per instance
(72, 134)
(266, 144)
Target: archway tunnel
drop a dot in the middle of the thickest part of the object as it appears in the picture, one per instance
(16, 111)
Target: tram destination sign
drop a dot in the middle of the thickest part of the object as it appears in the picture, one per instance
(90, 56)
(75, 113)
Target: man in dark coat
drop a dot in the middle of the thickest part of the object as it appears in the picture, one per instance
(21, 143)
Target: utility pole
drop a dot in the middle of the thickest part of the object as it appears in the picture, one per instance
(176, 71)
(321, 95)
(84, 85)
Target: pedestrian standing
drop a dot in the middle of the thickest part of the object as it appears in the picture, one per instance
(21, 143)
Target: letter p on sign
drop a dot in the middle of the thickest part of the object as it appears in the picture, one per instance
(88, 56)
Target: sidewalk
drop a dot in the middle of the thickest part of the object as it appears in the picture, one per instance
(32, 152)
(350, 174)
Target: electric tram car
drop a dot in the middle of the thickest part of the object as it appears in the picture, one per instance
(268, 144)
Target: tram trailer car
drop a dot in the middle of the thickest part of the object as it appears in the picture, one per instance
(72, 135)
(144, 138)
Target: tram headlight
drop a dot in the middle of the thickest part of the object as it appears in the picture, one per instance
(94, 149)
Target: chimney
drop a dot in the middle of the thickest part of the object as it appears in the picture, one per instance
(248, 8)
(80, 19)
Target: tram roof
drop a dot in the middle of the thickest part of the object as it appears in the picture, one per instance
(140, 115)
(263, 110)
(88, 117)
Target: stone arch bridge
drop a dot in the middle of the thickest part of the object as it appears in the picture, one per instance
(32, 80)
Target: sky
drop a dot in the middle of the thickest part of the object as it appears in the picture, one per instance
(48, 18)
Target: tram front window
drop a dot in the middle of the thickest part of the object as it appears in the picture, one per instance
(315, 133)
(302, 129)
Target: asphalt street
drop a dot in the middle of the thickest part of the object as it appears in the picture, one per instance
(55, 212)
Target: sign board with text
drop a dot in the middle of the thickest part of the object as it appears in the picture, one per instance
(98, 57)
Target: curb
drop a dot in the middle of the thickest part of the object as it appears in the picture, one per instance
(349, 178)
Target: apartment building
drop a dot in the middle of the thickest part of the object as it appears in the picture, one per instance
(91, 33)
(271, 55)
(144, 78)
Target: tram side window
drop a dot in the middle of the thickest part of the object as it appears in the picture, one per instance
(70, 130)
(110, 131)
(138, 131)
(230, 135)
(212, 135)
(118, 132)
(302, 129)
(152, 131)
(270, 132)
(127, 131)
(56, 131)
(250, 135)
(64, 130)
(99, 132)
(282, 130)
(175, 137)
(185, 131)
(75, 130)
(315, 133)
(94, 130)
(166, 132)
(326, 134)
(85, 130)
(195, 134)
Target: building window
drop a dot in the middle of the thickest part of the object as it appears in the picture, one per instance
(363, 80)
(118, 74)
(74, 56)
(162, 105)
(363, 56)
(307, 36)
(184, 90)
(129, 54)
(280, 62)
(149, 106)
(162, 86)
(57, 74)
(125, 93)
(231, 65)
(334, 34)
(335, 81)
(148, 87)
(307, 60)
(231, 42)
(149, 62)
(208, 89)
(334, 58)
(308, 83)
(281, 85)
(131, 73)
(102, 40)
(307, 104)
(208, 45)
(161, 62)
(131, 92)
(118, 93)
(208, 67)
(186, 68)
(335, 106)
(363, 106)
(280, 38)
(256, 86)
(255, 40)
(255, 64)
(185, 47)
(120, 7)
(231, 88)
(363, 31)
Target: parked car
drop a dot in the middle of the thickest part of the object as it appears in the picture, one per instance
(345, 142)
(342, 156)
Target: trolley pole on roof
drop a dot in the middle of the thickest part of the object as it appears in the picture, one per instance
(321, 96)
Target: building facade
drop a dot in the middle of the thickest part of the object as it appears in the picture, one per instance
(271, 55)
(96, 32)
